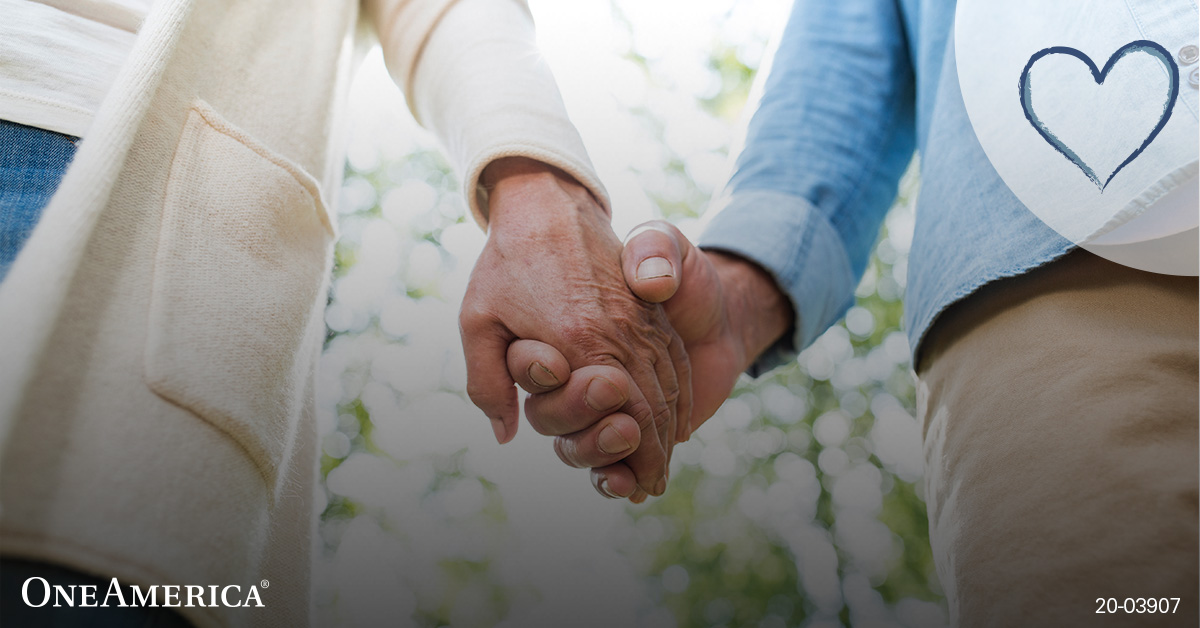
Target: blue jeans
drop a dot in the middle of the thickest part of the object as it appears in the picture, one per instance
(32, 163)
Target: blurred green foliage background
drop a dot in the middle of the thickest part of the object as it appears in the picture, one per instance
(798, 504)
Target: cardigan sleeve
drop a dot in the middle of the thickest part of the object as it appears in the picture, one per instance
(472, 74)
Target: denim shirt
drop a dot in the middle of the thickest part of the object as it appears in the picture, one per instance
(855, 87)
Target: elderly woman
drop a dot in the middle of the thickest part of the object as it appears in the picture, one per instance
(161, 309)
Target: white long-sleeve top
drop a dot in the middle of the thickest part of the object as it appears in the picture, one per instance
(161, 325)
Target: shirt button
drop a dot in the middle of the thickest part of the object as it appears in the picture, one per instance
(1194, 77)
(1189, 54)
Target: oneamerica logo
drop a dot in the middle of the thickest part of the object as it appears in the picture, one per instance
(37, 592)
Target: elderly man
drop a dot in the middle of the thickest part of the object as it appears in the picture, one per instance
(1057, 389)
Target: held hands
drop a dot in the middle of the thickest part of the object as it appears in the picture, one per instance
(725, 309)
(550, 273)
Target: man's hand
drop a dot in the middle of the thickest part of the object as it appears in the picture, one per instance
(551, 272)
(726, 309)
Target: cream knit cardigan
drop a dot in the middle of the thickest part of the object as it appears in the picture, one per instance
(159, 331)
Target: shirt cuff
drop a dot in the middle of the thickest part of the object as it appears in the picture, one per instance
(797, 245)
(482, 86)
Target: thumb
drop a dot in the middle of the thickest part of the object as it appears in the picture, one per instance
(485, 345)
(653, 259)
(691, 295)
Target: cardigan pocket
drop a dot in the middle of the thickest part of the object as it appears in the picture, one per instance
(235, 311)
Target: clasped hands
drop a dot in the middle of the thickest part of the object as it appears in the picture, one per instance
(624, 349)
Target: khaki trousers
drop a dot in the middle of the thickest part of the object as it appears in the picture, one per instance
(1060, 420)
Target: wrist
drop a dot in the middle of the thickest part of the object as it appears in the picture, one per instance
(759, 312)
(520, 188)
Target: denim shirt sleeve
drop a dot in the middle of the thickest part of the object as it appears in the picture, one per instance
(824, 152)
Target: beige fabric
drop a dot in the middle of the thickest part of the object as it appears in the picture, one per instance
(161, 326)
(57, 64)
(461, 105)
(126, 15)
(1060, 413)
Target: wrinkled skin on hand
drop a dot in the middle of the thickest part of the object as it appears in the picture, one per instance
(726, 310)
(551, 272)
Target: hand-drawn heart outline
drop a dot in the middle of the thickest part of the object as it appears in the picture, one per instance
(1098, 75)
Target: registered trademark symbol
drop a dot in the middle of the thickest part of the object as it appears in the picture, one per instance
(264, 584)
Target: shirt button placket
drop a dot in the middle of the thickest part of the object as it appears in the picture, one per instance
(1188, 54)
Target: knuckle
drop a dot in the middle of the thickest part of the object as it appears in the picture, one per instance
(653, 337)
(484, 397)
(476, 311)
(591, 338)
(580, 332)
(636, 319)
(626, 328)
(662, 415)
(477, 396)
(471, 319)
(659, 333)
(642, 414)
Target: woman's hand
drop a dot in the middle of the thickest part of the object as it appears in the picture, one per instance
(551, 272)
(726, 310)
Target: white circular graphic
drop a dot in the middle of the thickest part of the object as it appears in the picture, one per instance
(1086, 112)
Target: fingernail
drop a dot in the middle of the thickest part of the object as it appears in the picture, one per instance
(661, 487)
(602, 395)
(542, 376)
(500, 431)
(603, 486)
(653, 267)
(611, 441)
